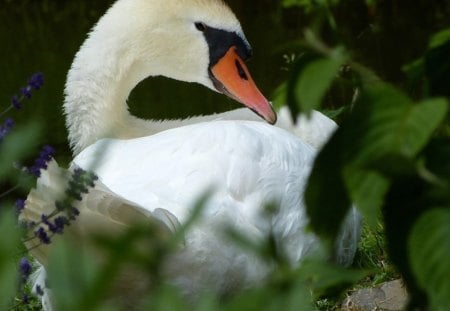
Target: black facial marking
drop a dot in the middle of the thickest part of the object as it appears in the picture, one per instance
(240, 70)
(219, 42)
(200, 26)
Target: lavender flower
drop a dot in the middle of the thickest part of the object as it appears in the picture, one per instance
(45, 220)
(58, 224)
(15, 102)
(20, 205)
(35, 82)
(6, 128)
(41, 162)
(80, 182)
(64, 212)
(26, 91)
(42, 235)
(24, 269)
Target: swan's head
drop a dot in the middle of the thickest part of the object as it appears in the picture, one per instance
(190, 40)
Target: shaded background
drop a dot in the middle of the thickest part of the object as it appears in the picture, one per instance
(44, 36)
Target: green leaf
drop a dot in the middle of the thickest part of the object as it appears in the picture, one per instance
(165, 298)
(367, 190)
(440, 38)
(434, 66)
(415, 72)
(314, 80)
(19, 144)
(292, 297)
(8, 264)
(255, 299)
(410, 198)
(429, 246)
(322, 276)
(383, 135)
(437, 158)
(301, 3)
(71, 274)
(279, 96)
(390, 124)
(326, 197)
(437, 65)
(424, 118)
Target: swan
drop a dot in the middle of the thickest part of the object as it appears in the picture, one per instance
(157, 170)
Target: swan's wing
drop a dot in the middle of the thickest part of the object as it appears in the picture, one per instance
(245, 163)
(101, 210)
(314, 130)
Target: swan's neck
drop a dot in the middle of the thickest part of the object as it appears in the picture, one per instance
(96, 91)
(98, 84)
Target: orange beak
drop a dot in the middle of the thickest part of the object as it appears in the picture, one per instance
(231, 77)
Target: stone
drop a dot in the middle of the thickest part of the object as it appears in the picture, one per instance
(389, 296)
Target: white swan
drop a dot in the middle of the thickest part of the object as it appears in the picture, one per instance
(158, 169)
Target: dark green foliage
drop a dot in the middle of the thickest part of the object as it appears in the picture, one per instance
(390, 154)
(383, 133)
(437, 64)
(10, 237)
(429, 244)
(11, 151)
(311, 77)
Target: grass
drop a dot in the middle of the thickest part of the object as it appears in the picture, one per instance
(372, 256)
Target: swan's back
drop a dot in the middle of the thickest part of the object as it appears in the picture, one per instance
(247, 161)
(244, 164)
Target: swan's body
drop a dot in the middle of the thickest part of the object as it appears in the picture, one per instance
(158, 169)
(251, 174)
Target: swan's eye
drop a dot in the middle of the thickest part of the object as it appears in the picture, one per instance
(200, 26)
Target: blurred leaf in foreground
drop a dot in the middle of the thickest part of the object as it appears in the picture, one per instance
(429, 245)
(380, 138)
(9, 247)
(19, 144)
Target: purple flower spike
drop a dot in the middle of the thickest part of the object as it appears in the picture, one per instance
(26, 91)
(49, 224)
(57, 226)
(24, 268)
(20, 205)
(15, 102)
(41, 162)
(47, 152)
(42, 235)
(36, 81)
(6, 127)
(60, 223)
